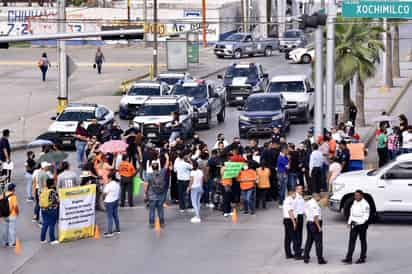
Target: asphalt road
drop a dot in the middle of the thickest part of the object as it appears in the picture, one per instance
(253, 245)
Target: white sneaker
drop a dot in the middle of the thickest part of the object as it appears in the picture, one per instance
(210, 205)
(182, 210)
(195, 220)
(226, 214)
(54, 243)
(191, 210)
(43, 242)
(280, 206)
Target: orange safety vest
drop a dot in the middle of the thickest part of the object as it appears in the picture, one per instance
(247, 179)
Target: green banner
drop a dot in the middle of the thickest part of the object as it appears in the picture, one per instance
(232, 169)
(377, 9)
(193, 52)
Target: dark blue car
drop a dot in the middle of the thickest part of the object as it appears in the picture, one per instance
(261, 113)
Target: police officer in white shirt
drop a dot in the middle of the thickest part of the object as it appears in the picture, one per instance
(358, 222)
(314, 228)
(299, 212)
(289, 221)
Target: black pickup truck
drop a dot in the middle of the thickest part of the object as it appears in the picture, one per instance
(207, 98)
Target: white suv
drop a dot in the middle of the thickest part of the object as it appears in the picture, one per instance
(387, 189)
(298, 93)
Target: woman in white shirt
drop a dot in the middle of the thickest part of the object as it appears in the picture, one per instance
(111, 193)
(196, 190)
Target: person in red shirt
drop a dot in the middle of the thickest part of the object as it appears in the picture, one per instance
(126, 171)
(236, 192)
(247, 179)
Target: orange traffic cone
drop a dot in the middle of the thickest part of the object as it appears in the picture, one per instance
(157, 224)
(96, 233)
(234, 215)
(17, 249)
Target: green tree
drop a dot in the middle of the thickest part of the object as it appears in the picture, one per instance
(357, 46)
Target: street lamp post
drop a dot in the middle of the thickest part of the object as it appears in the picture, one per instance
(204, 23)
(330, 66)
(155, 46)
(318, 119)
(62, 99)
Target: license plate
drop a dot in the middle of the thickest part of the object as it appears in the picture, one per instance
(239, 98)
(66, 142)
(151, 135)
(202, 120)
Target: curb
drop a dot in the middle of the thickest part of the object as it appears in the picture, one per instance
(371, 133)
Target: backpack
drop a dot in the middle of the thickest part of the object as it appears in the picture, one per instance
(157, 183)
(44, 199)
(5, 206)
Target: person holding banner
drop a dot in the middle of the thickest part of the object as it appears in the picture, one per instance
(227, 192)
(49, 204)
(247, 179)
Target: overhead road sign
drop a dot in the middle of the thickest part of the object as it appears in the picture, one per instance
(377, 9)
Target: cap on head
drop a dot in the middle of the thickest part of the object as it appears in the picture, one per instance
(45, 164)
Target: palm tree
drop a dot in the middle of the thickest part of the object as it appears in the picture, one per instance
(356, 55)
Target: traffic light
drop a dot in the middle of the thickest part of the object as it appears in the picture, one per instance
(314, 20)
(138, 36)
(4, 45)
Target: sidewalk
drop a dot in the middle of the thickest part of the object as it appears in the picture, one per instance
(378, 99)
(27, 104)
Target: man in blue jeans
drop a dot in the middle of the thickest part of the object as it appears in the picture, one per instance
(282, 171)
(155, 192)
(294, 169)
(49, 213)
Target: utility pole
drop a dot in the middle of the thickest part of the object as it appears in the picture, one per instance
(247, 23)
(318, 82)
(330, 66)
(63, 97)
(387, 60)
(281, 14)
(146, 28)
(242, 15)
(155, 38)
(204, 30)
(128, 11)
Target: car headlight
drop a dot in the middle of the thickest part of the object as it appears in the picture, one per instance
(229, 47)
(336, 187)
(244, 118)
(123, 104)
(302, 104)
(277, 117)
(203, 109)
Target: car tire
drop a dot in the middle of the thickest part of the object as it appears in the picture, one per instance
(237, 54)
(306, 59)
(306, 118)
(268, 51)
(242, 135)
(346, 207)
(221, 115)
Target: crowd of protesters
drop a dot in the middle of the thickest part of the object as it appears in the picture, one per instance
(190, 173)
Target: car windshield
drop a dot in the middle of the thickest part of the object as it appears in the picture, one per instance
(263, 104)
(197, 92)
(144, 91)
(250, 72)
(158, 110)
(291, 34)
(169, 80)
(293, 86)
(235, 37)
(77, 116)
(375, 171)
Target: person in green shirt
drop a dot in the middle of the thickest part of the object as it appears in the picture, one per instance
(382, 146)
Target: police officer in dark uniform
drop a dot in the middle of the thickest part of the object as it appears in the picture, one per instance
(314, 229)
(344, 156)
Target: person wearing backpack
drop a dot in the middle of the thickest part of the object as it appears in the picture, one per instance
(49, 204)
(44, 65)
(154, 192)
(9, 210)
